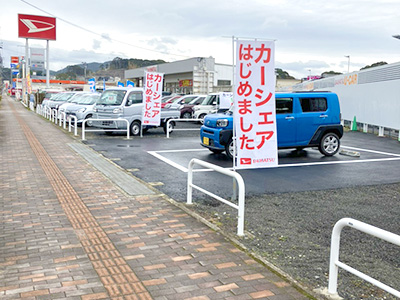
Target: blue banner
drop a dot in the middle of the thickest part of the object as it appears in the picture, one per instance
(130, 83)
(120, 84)
(92, 84)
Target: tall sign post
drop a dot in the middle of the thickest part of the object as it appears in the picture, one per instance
(37, 27)
(152, 99)
(254, 105)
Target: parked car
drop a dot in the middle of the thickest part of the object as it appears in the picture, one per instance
(50, 95)
(126, 103)
(168, 99)
(58, 99)
(209, 105)
(82, 106)
(75, 98)
(187, 109)
(179, 102)
(306, 119)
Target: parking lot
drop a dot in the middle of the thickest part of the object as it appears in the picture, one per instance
(378, 163)
(291, 209)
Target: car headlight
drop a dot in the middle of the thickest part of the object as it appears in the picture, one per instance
(82, 110)
(95, 109)
(181, 106)
(117, 110)
(195, 108)
(222, 122)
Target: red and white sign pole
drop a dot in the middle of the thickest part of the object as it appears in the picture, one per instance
(37, 27)
(152, 98)
(254, 100)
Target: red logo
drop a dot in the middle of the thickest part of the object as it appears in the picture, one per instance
(36, 27)
(15, 60)
(245, 161)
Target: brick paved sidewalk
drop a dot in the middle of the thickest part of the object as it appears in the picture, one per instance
(68, 232)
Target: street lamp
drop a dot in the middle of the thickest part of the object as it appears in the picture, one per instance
(348, 63)
(84, 66)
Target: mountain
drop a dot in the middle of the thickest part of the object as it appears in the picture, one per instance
(113, 68)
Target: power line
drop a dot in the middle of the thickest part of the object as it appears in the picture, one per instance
(101, 35)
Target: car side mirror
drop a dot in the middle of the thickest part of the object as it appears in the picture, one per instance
(129, 103)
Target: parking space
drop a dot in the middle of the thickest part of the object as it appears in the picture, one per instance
(378, 163)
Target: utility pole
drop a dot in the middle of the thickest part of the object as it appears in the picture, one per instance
(348, 63)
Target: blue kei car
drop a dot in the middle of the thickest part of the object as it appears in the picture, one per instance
(304, 119)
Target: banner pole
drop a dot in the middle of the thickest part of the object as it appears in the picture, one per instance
(48, 65)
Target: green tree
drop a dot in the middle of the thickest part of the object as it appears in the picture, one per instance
(282, 74)
(381, 63)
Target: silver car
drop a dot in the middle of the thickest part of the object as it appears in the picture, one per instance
(82, 107)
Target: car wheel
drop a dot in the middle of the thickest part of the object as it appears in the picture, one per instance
(329, 144)
(89, 123)
(187, 115)
(229, 149)
(135, 128)
(201, 117)
(171, 126)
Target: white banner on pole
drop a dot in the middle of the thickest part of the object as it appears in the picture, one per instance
(152, 98)
(254, 100)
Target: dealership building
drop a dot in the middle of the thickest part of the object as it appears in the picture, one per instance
(198, 75)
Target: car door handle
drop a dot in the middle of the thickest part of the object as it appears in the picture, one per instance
(289, 118)
(323, 116)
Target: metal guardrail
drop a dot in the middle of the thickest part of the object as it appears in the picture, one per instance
(241, 190)
(70, 118)
(102, 130)
(181, 120)
(334, 260)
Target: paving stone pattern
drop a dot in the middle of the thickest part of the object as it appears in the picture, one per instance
(68, 232)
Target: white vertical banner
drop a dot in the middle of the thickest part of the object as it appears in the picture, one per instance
(152, 98)
(254, 100)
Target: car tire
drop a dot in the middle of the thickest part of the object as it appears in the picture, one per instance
(329, 144)
(89, 123)
(229, 149)
(170, 127)
(201, 117)
(187, 115)
(135, 128)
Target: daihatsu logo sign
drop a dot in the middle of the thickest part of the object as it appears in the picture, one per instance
(36, 27)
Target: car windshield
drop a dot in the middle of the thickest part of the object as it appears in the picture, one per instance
(177, 100)
(112, 97)
(63, 97)
(52, 96)
(207, 100)
(196, 101)
(85, 99)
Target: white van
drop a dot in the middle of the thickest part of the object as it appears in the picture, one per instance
(126, 103)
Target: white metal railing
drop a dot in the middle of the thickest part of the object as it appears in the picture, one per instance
(70, 118)
(54, 115)
(47, 112)
(335, 244)
(181, 120)
(105, 129)
(235, 175)
(62, 116)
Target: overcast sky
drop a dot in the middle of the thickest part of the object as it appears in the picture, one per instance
(311, 36)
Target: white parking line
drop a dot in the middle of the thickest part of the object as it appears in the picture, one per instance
(184, 169)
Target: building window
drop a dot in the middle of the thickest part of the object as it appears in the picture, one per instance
(223, 82)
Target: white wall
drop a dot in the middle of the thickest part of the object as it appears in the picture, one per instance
(371, 95)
